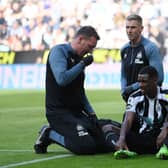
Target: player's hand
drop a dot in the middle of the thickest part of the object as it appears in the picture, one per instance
(87, 60)
(121, 144)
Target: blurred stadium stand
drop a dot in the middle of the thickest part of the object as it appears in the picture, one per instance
(38, 25)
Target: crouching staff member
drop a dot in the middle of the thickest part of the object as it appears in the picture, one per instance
(72, 121)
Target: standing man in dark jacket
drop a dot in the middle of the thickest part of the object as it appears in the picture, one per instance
(73, 123)
(136, 54)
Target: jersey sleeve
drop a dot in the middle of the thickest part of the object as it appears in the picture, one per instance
(155, 60)
(58, 63)
(131, 105)
(86, 105)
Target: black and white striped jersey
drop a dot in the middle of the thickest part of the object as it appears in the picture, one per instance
(151, 113)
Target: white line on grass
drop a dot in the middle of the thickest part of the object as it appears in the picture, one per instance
(36, 161)
(20, 109)
(15, 150)
(24, 150)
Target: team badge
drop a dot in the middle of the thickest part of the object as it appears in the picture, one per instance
(72, 60)
(81, 130)
(138, 59)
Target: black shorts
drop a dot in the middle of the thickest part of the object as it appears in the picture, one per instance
(142, 144)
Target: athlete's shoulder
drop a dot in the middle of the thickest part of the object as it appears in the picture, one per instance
(136, 93)
(61, 46)
(65, 48)
(134, 99)
(163, 94)
(125, 46)
(164, 90)
(147, 43)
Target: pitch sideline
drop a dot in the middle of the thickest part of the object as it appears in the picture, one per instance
(24, 150)
(36, 161)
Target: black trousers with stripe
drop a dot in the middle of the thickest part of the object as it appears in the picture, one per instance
(80, 134)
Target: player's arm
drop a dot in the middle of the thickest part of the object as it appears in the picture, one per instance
(123, 78)
(125, 128)
(123, 82)
(163, 134)
(164, 130)
(89, 112)
(58, 64)
(88, 109)
(126, 90)
(86, 104)
(155, 60)
(129, 117)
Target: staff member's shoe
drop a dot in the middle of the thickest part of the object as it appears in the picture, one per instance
(163, 153)
(43, 140)
(124, 154)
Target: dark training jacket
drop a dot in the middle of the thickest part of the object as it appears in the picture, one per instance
(68, 96)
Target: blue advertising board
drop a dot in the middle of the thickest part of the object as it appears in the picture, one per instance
(32, 76)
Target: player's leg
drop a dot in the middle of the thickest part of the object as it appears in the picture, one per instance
(44, 139)
(81, 136)
(142, 144)
(111, 130)
(73, 129)
(67, 130)
(76, 133)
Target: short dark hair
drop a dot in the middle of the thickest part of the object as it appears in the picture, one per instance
(88, 31)
(150, 70)
(136, 17)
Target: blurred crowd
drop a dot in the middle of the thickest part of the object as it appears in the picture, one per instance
(40, 24)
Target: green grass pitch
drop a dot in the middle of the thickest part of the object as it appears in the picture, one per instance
(22, 113)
